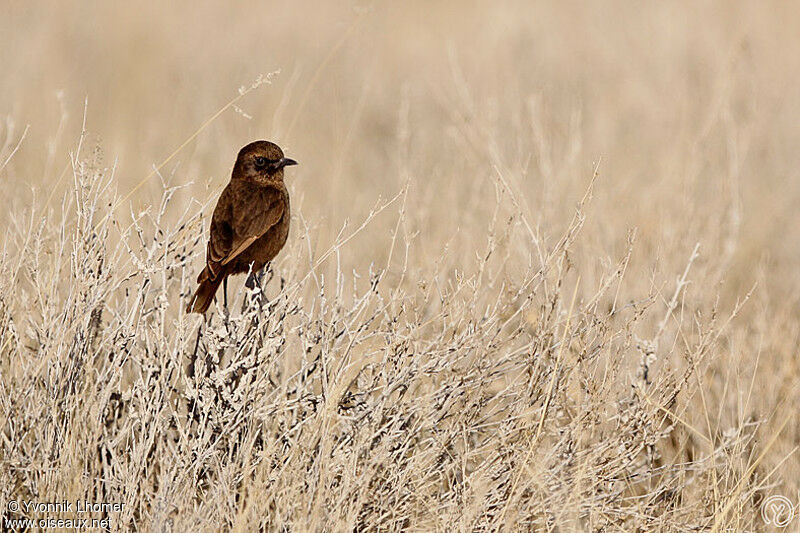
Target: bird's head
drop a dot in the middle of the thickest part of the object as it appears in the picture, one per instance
(262, 162)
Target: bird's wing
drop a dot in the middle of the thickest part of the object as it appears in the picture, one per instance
(251, 220)
(219, 246)
(241, 246)
(221, 236)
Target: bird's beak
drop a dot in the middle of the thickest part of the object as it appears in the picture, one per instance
(280, 163)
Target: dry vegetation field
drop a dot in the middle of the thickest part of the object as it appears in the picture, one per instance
(542, 272)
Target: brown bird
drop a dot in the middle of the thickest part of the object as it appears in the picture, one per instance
(250, 223)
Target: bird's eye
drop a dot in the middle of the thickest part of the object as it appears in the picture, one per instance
(261, 162)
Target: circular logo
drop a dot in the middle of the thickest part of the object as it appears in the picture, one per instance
(777, 511)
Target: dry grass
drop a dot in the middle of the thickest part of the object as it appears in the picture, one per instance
(542, 273)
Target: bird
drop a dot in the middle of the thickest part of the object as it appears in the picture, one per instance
(250, 223)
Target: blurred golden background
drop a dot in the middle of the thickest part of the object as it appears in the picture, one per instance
(685, 103)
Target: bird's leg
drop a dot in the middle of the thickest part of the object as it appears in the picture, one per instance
(255, 282)
(226, 314)
(193, 360)
(262, 294)
(250, 284)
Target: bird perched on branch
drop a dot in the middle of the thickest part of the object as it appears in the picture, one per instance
(250, 223)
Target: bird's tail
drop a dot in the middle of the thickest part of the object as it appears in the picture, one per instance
(204, 295)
